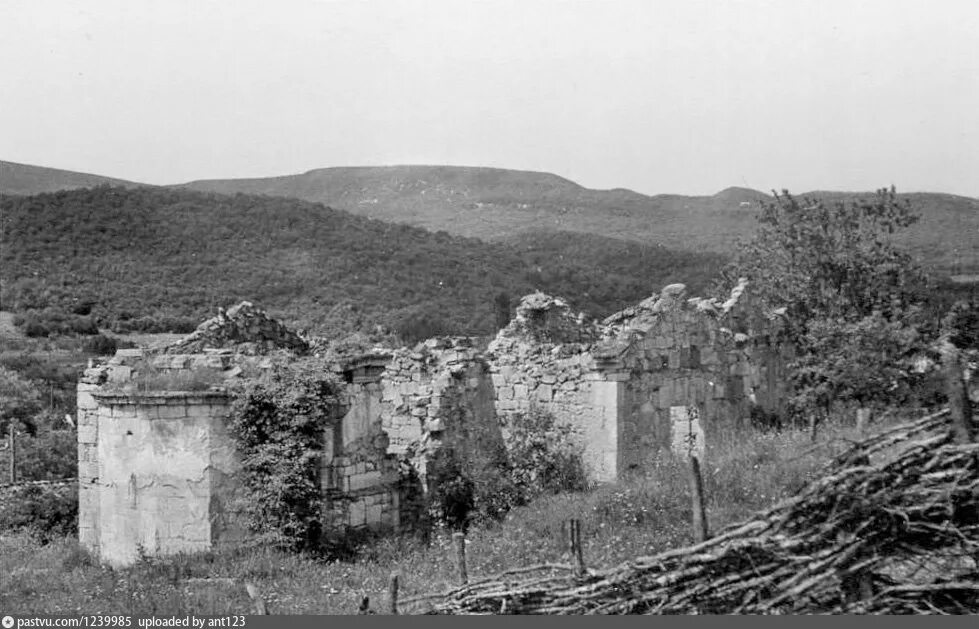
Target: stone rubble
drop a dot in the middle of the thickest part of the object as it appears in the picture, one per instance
(244, 328)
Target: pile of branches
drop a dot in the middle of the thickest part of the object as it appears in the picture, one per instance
(891, 527)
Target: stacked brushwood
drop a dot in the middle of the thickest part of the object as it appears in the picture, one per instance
(892, 526)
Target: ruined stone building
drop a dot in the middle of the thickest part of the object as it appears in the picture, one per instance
(662, 375)
(157, 469)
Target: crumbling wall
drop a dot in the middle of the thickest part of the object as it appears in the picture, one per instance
(438, 394)
(360, 479)
(157, 469)
(667, 373)
(244, 328)
(542, 359)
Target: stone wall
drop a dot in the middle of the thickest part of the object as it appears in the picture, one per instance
(360, 478)
(163, 480)
(668, 373)
(168, 439)
(671, 372)
(438, 392)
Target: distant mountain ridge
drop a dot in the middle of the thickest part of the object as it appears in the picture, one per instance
(24, 179)
(496, 204)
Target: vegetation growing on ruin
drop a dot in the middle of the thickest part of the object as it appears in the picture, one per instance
(277, 425)
(147, 378)
(544, 456)
(541, 457)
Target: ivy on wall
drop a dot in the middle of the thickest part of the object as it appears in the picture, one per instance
(277, 423)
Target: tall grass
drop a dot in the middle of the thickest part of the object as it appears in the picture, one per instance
(742, 473)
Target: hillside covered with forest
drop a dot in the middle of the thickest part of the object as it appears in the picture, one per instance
(158, 259)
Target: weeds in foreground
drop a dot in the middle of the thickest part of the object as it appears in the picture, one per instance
(619, 522)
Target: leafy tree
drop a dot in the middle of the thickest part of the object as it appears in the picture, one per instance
(848, 291)
(19, 402)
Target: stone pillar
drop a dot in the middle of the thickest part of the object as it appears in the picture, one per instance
(88, 462)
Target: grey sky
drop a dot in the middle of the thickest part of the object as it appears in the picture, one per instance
(678, 96)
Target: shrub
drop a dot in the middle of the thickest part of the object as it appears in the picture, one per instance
(453, 496)
(47, 455)
(102, 345)
(543, 454)
(33, 328)
(19, 400)
(46, 511)
(83, 307)
(418, 325)
(82, 325)
(540, 458)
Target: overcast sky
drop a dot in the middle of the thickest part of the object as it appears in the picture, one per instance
(659, 96)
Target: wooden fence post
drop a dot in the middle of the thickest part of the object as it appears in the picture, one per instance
(574, 544)
(365, 606)
(699, 522)
(959, 404)
(863, 420)
(12, 448)
(393, 594)
(253, 594)
(460, 548)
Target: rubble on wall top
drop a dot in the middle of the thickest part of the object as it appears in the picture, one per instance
(243, 328)
(642, 315)
(543, 319)
(537, 302)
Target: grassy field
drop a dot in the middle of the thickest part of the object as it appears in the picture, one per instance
(743, 474)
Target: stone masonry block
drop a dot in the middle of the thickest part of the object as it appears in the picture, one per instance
(85, 399)
(374, 515)
(544, 393)
(88, 470)
(120, 373)
(357, 514)
(434, 425)
(87, 434)
(172, 412)
(363, 480)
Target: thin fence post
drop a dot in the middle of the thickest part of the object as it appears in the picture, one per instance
(699, 522)
(12, 448)
(393, 594)
(365, 606)
(574, 544)
(460, 548)
(863, 420)
(253, 594)
(959, 404)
